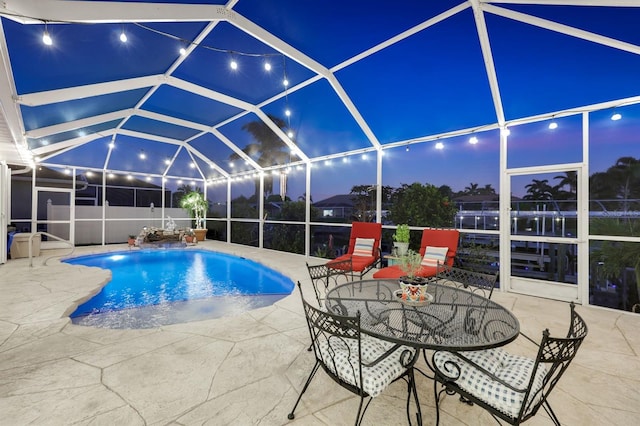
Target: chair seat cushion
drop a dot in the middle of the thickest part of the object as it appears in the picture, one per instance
(340, 356)
(396, 271)
(512, 369)
(358, 263)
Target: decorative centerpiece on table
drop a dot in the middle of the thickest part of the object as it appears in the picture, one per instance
(414, 288)
(195, 203)
(401, 239)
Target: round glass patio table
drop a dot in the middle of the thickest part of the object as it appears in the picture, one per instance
(454, 319)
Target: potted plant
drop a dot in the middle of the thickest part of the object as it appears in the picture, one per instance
(410, 264)
(190, 237)
(195, 203)
(401, 239)
(414, 288)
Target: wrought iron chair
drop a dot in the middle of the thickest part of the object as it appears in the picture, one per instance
(476, 282)
(324, 277)
(361, 364)
(511, 388)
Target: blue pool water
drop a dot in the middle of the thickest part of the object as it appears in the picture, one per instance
(158, 287)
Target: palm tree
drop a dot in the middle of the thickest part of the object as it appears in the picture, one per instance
(268, 147)
(539, 190)
(625, 175)
(181, 191)
(569, 179)
(303, 197)
(472, 189)
(487, 190)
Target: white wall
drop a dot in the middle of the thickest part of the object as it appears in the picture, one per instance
(121, 222)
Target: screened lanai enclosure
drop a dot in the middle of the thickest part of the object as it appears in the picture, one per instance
(516, 122)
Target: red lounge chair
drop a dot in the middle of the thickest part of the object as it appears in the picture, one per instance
(430, 237)
(365, 257)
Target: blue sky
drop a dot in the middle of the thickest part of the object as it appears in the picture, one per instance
(429, 83)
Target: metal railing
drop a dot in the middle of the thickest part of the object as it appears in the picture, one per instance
(33, 234)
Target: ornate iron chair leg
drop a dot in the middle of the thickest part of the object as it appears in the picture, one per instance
(304, 388)
(550, 412)
(358, 418)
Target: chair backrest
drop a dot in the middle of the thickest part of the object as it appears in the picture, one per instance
(435, 237)
(324, 278)
(476, 282)
(365, 230)
(336, 342)
(554, 356)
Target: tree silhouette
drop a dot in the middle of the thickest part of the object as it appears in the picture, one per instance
(181, 191)
(539, 190)
(487, 190)
(303, 197)
(620, 182)
(472, 189)
(625, 176)
(269, 149)
(570, 180)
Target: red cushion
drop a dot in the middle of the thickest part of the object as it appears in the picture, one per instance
(396, 271)
(358, 263)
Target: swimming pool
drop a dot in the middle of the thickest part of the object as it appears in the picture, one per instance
(150, 288)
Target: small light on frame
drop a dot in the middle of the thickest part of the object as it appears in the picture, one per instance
(616, 116)
(473, 140)
(233, 64)
(439, 145)
(553, 125)
(183, 51)
(267, 66)
(123, 37)
(46, 38)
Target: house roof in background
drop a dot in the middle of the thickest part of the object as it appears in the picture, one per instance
(340, 200)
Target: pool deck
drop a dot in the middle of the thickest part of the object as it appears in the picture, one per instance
(248, 369)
